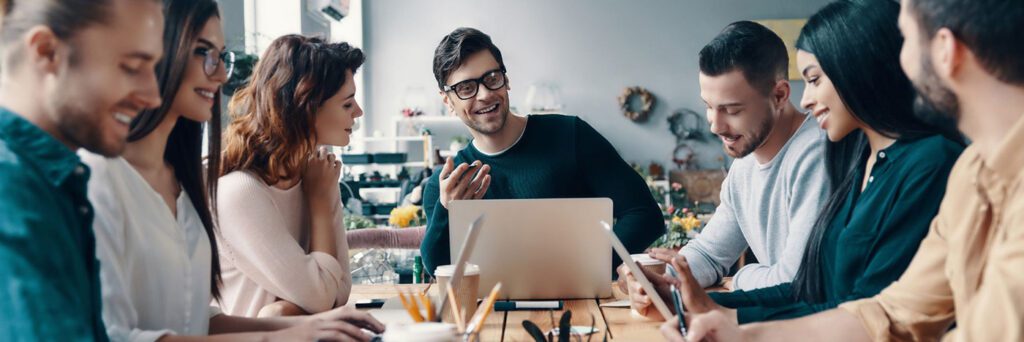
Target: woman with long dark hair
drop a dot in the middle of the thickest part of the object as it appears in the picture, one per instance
(889, 168)
(279, 206)
(154, 227)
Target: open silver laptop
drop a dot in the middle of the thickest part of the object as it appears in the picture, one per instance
(538, 248)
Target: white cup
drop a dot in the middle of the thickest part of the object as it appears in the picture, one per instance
(465, 294)
(423, 332)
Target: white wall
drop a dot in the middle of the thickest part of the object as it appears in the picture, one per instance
(591, 49)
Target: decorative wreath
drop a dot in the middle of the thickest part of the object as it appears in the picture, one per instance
(683, 155)
(647, 102)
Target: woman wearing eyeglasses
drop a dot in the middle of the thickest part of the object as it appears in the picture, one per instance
(279, 207)
(154, 229)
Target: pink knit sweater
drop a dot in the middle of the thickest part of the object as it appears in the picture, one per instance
(264, 254)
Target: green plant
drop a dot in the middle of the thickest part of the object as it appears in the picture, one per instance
(460, 139)
(244, 65)
(680, 224)
(353, 222)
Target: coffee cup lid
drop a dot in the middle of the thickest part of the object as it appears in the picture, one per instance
(646, 260)
(448, 270)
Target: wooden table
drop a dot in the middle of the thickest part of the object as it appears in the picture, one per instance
(507, 326)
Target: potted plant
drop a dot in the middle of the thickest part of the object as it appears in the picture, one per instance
(458, 143)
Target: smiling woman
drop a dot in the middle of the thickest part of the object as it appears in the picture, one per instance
(279, 207)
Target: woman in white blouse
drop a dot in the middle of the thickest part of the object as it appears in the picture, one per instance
(154, 229)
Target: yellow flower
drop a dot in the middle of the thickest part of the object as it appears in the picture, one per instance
(689, 223)
(404, 216)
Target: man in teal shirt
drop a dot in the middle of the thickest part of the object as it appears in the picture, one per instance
(72, 74)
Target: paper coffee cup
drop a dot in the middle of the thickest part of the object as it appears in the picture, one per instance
(465, 294)
(649, 264)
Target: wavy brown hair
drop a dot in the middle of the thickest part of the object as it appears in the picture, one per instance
(272, 128)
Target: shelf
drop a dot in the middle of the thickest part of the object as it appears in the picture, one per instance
(433, 118)
(392, 188)
(416, 163)
(390, 139)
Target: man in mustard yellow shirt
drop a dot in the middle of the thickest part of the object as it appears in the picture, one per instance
(967, 62)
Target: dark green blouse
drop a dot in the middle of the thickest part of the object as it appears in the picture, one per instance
(873, 236)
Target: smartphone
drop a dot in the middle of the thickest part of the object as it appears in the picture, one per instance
(472, 170)
(374, 303)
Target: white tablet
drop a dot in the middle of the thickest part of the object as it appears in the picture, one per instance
(637, 272)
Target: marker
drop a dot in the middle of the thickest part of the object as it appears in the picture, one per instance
(527, 305)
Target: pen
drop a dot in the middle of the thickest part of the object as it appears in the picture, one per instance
(677, 300)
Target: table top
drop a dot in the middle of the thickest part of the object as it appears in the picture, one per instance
(619, 324)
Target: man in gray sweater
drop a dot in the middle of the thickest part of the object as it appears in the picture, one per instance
(777, 184)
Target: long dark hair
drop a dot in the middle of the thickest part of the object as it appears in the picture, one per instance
(857, 44)
(184, 19)
(272, 130)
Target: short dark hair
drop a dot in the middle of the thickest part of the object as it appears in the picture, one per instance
(989, 28)
(456, 46)
(750, 47)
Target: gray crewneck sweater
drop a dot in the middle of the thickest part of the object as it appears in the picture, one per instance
(770, 208)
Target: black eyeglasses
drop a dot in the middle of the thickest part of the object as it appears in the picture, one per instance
(212, 59)
(465, 90)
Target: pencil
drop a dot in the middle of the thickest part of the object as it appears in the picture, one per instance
(488, 305)
(413, 311)
(427, 305)
(456, 311)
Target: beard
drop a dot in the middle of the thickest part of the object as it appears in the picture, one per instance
(80, 121)
(488, 128)
(935, 103)
(754, 139)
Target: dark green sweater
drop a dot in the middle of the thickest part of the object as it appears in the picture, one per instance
(558, 156)
(873, 236)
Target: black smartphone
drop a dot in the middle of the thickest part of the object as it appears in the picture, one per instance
(375, 303)
(472, 170)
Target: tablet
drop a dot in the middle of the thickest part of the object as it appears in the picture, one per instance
(637, 272)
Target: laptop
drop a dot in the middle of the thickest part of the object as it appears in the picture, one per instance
(538, 248)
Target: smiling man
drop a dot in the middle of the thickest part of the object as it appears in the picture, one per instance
(74, 74)
(516, 157)
(774, 190)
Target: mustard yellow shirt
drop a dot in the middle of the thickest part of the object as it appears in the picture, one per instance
(970, 266)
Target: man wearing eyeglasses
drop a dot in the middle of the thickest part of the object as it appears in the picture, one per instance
(518, 157)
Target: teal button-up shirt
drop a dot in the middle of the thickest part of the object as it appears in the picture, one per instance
(48, 267)
(873, 236)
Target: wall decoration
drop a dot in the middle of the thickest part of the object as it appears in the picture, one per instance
(683, 156)
(701, 186)
(685, 125)
(631, 111)
(789, 31)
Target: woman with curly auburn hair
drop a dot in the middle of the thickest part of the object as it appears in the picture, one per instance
(279, 208)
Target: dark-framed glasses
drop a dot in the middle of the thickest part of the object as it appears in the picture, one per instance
(465, 90)
(212, 59)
